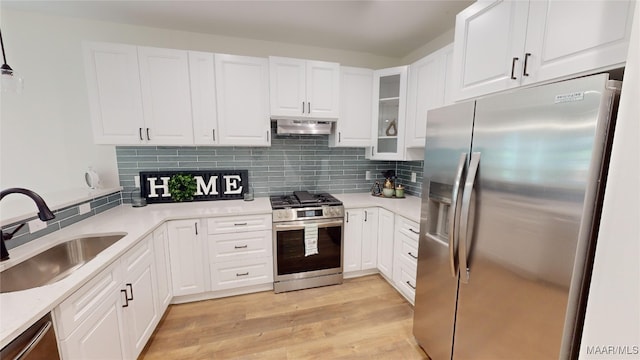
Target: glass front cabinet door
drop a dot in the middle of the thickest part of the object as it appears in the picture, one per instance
(389, 106)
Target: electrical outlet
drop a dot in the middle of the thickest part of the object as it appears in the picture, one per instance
(413, 177)
(84, 208)
(367, 175)
(136, 181)
(36, 225)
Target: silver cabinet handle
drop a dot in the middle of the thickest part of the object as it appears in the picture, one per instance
(526, 58)
(408, 283)
(34, 341)
(242, 274)
(130, 289)
(413, 256)
(148, 137)
(453, 212)
(140, 134)
(513, 68)
(240, 247)
(466, 232)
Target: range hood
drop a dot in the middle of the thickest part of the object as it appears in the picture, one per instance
(303, 127)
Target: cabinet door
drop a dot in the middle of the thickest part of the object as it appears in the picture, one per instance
(242, 94)
(323, 89)
(101, 336)
(489, 47)
(287, 83)
(565, 37)
(141, 312)
(203, 97)
(385, 242)
(390, 97)
(369, 257)
(354, 219)
(186, 253)
(164, 78)
(113, 84)
(353, 128)
(426, 91)
(163, 267)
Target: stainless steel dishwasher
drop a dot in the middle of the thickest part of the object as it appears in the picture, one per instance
(38, 342)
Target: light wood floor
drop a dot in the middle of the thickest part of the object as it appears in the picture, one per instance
(364, 318)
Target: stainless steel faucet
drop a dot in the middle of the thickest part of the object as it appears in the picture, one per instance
(44, 214)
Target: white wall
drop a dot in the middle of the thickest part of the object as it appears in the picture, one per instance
(441, 41)
(45, 135)
(613, 308)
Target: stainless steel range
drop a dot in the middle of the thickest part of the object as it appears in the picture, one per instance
(307, 240)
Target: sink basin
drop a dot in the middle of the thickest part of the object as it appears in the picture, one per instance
(54, 264)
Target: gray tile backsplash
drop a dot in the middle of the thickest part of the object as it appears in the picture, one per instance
(64, 217)
(297, 162)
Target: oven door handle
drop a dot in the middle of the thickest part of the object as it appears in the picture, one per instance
(300, 227)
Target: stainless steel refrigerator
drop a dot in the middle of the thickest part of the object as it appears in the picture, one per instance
(510, 208)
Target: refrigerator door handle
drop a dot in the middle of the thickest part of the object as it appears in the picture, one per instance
(453, 211)
(466, 230)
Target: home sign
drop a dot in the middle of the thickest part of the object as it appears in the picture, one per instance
(193, 185)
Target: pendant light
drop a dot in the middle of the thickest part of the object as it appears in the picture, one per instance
(10, 81)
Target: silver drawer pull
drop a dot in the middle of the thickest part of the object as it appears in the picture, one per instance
(242, 274)
(413, 231)
(240, 224)
(408, 283)
(413, 256)
(240, 247)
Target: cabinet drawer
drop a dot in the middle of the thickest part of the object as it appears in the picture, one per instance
(408, 250)
(408, 227)
(86, 300)
(233, 224)
(233, 274)
(237, 246)
(407, 280)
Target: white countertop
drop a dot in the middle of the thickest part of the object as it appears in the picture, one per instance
(18, 310)
(408, 207)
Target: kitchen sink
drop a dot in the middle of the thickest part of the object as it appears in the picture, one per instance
(56, 263)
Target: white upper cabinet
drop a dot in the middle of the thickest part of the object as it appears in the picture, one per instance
(427, 90)
(356, 95)
(565, 37)
(489, 46)
(203, 98)
(166, 96)
(505, 44)
(242, 97)
(389, 107)
(304, 88)
(115, 100)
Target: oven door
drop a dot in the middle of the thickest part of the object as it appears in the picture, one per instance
(290, 261)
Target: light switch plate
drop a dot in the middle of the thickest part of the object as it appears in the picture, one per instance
(367, 175)
(84, 208)
(413, 177)
(36, 225)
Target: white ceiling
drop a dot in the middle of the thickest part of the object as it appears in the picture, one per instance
(386, 28)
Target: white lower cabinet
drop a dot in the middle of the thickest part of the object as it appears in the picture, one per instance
(385, 242)
(115, 313)
(405, 258)
(186, 257)
(163, 267)
(360, 239)
(240, 251)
